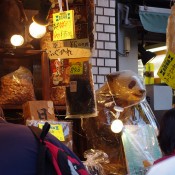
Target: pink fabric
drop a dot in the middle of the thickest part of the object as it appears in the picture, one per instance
(164, 158)
(53, 150)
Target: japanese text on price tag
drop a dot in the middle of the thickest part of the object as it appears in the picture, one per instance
(76, 68)
(167, 70)
(63, 25)
(56, 130)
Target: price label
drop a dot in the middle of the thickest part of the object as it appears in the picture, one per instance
(63, 25)
(56, 130)
(76, 68)
(167, 70)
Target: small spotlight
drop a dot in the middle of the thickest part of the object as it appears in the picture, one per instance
(17, 40)
(117, 126)
(36, 30)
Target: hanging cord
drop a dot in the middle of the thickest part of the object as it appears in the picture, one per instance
(60, 5)
(67, 5)
(117, 108)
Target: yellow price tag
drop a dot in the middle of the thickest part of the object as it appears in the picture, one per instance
(149, 73)
(76, 68)
(56, 130)
(167, 70)
(63, 25)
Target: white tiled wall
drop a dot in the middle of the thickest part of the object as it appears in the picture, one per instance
(104, 54)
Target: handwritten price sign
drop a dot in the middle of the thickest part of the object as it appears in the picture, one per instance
(76, 68)
(63, 25)
(167, 70)
(56, 130)
(77, 48)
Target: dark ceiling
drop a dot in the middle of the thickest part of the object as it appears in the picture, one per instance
(133, 13)
(152, 3)
(148, 37)
(31, 4)
(144, 36)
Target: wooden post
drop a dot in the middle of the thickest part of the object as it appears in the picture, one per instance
(45, 76)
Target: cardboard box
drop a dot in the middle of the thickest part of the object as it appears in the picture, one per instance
(39, 110)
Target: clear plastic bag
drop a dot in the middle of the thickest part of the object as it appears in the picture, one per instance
(58, 95)
(135, 148)
(126, 88)
(80, 94)
(94, 160)
(17, 87)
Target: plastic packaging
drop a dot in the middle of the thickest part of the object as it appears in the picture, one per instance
(17, 87)
(135, 148)
(80, 94)
(94, 160)
(60, 75)
(126, 88)
(60, 69)
(58, 95)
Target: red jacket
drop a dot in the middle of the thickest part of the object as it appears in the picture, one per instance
(164, 158)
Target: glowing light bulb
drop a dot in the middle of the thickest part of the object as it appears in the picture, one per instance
(17, 40)
(36, 30)
(117, 126)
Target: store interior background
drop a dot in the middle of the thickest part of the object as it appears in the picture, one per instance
(132, 28)
(108, 54)
(110, 34)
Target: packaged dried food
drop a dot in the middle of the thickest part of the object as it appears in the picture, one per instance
(94, 159)
(17, 87)
(80, 94)
(58, 95)
(60, 72)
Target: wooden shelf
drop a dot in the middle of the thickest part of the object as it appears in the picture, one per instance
(61, 108)
(11, 107)
(19, 52)
(11, 59)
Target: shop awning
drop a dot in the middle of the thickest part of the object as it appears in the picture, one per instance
(154, 19)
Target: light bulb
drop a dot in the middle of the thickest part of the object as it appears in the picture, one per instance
(117, 126)
(17, 40)
(36, 30)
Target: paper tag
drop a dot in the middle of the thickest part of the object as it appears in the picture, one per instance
(50, 104)
(167, 70)
(76, 68)
(63, 25)
(56, 130)
(73, 86)
(76, 48)
(50, 111)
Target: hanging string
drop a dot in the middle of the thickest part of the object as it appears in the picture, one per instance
(60, 5)
(67, 5)
(116, 107)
